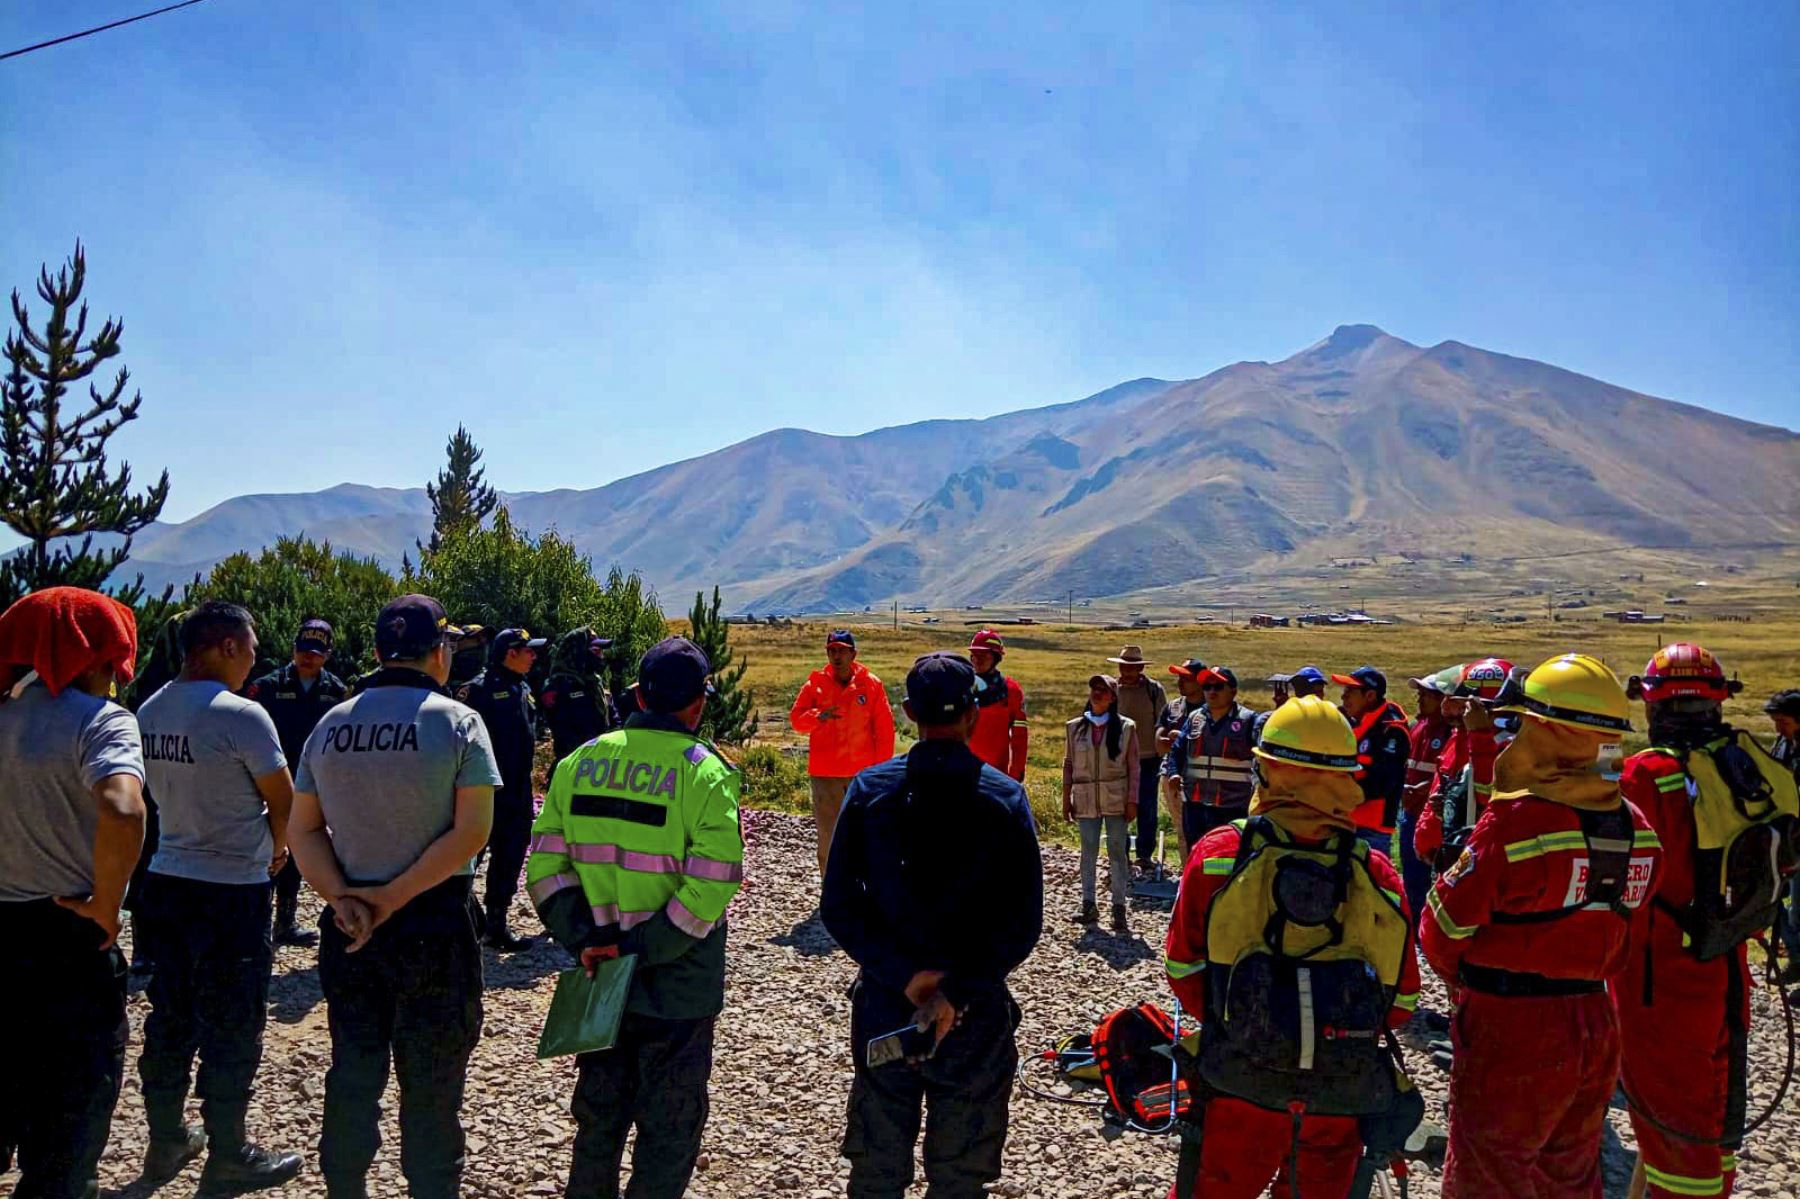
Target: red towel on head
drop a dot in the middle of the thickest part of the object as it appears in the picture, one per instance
(63, 632)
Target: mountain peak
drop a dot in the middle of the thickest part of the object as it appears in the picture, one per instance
(1354, 346)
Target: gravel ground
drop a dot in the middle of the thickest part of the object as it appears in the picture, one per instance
(782, 1073)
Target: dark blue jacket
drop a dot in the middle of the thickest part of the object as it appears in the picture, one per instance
(935, 866)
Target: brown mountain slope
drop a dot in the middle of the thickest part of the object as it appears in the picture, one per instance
(1360, 444)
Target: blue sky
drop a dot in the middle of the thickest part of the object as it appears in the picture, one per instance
(610, 236)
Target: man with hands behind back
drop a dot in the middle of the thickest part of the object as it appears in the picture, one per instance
(393, 800)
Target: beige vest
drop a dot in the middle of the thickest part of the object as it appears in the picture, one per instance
(1099, 785)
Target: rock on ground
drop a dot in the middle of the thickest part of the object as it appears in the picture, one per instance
(782, 1073)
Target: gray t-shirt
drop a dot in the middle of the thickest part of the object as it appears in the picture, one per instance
(53, 752)
(385, 766)
(204, 749)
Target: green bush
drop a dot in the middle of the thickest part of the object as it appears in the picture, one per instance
(774, 780)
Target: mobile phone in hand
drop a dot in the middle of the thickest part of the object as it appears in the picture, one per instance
(911, 1043)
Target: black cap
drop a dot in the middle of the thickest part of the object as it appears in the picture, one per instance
(672, 675)
(315, 637)
(1219, 674)
(1363, 676)
(1193, 668)
(411, 627)
(508, 639)
(940, 686)
(840, 637)
(1784, 703)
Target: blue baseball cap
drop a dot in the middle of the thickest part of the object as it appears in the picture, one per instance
(940, 686)
(672, 675)
(840, 637)
(1309, 676)
(1363, 676)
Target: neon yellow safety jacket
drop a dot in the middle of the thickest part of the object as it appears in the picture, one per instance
(638, 846)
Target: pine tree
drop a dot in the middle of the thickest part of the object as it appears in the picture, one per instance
(460, 499)
(54, 479)
(731, 714)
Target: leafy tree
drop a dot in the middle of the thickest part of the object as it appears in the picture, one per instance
(731, 714)
(460, 499)
(298, 579)
(55, 482)
(501, 576)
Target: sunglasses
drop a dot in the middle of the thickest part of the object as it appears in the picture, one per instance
(1214, 687)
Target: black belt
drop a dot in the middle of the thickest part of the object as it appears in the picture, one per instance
(1517, 984)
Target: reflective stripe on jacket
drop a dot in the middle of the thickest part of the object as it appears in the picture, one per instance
(1212, 758)
(1529, 856)
(642, 825)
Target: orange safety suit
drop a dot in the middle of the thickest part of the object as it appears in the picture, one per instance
(1247, 1145)
(1536, 1037)
(1001, 734)
(1683, 1021)
(860, 735)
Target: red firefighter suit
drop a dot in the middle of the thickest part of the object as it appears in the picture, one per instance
(1536, 1037)
(1245, 1145)
(1681, 1059)
(1001, 734)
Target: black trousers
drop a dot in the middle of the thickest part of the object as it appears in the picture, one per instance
(62, 1059)
(413, 993)
(287, 891)
(1149, 803)
(507, 844)
(1199, 819)
(209, 994)
(655, 1078)
(961, 1093)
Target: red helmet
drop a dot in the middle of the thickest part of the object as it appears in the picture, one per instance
(1684, 670)
(990, 641)
(1486, 677)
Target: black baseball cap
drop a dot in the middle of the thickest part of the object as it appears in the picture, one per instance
(1219, 674)
(1363, 676)
(508, 639)
(940, 686)
(840, 637)
(1193, 668)
(314, 637)
(672, 675)
(411, 627)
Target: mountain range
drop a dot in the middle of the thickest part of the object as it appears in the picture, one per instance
(1360, 444)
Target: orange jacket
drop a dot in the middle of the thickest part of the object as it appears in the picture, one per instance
(1001, 735)
(861, 734)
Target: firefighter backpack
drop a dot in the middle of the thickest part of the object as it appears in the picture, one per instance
(1746, 839)
(1137, 1057)
(1304, 953)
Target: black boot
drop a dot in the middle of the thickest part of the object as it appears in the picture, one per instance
(166, 1156)
(1121, 924)
(1089, 914)
(287, 928)
(500, 937)
(247, 1168)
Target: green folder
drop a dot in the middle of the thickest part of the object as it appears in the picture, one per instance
(584, 1012)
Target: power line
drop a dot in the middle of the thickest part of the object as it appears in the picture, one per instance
(57, 41)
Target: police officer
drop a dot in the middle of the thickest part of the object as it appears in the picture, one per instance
(638, 852)
(222, 784)
(935, 925)
(502, 694)
(71, 824)
(393, 801)
(296, 696)
(576, 705)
